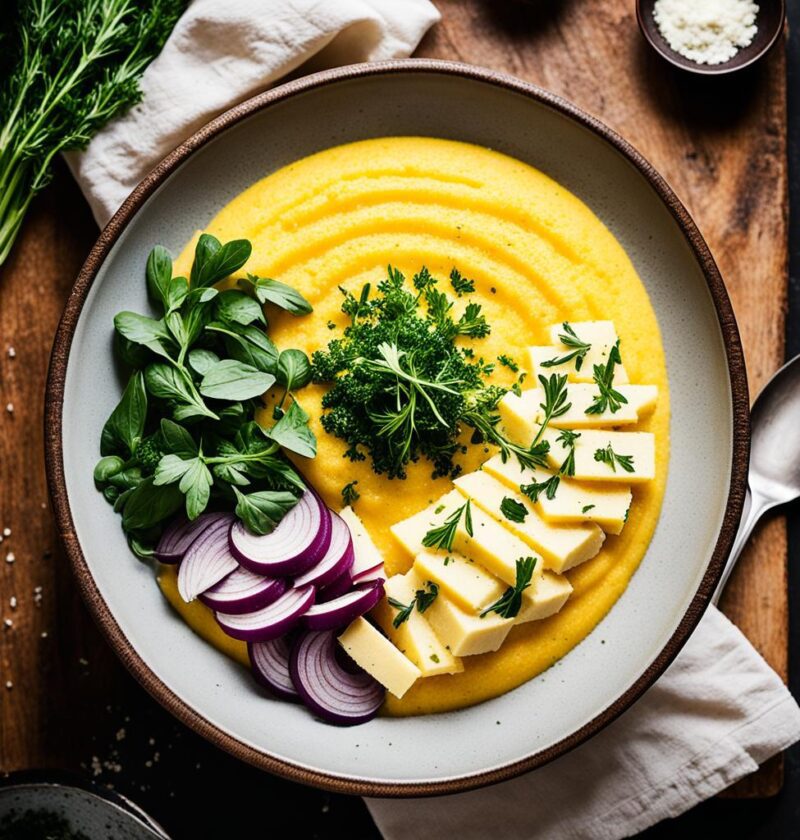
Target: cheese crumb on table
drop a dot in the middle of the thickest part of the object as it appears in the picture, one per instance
(706, 31)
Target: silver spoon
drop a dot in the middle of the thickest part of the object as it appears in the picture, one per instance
(774, 476)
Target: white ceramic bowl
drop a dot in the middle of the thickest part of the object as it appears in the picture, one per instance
(643, 632)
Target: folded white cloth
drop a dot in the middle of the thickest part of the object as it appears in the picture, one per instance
(716, 714)
(224, 51)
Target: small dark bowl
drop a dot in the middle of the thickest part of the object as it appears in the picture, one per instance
(770, 21)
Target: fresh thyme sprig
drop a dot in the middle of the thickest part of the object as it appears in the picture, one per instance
(579, 351)
(510, 602)
(443, 535)
(608, 456)
(536, 488)
(423, 598)
(608, 398)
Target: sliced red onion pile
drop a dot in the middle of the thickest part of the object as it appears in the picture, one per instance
(288, 594)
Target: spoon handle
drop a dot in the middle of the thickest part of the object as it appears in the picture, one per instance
(754, 508)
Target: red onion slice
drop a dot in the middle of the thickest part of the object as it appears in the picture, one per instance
(242, 591)
(271, 621)
(180, 534)
(335, 694)
(270, 664)
(299, 540)
(337, 559)
(342, 584)
(369, 575)
(342, 610)
(207, 560)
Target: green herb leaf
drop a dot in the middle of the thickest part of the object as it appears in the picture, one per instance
(172, 468)
(294, 369)
(279, 294)
(201, 361)
(536, 488)
(608, 399)
(349, 494)
(214, 262)
(263, 510)
(567, 438)
(233, 380)
(177, 440)
(579, 351)
(292, 432)
(510, 602)
(443, 535)
(608, 456)
(587, 508)
(238, 308)
(425, 597)
(248, 344)
(108, 467)
(196, 486)
(159, 275)
(148, 505)
(166, 382)
(513, 510)
(124, 428)
(139, 329)
(461, 285)
(404, 611)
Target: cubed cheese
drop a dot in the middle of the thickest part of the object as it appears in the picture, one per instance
(601, 335)
(574, 501)
(546, 599)
(560, 546)
(490, 544)
(640, 446)
(367, 555)
(465, 582)
(370, 649)
(414, 637)
(521, 414)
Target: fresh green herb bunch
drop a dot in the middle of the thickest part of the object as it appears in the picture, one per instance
(69, 67)
(184, 433)
(402, 388)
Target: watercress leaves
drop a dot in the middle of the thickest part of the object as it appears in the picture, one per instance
(263, 510)
(169, 292)
(214, 262)
(266, 290)
(238, 308)
(124, 428)
(139, 329)
(293, 433)
(148, 504)
(230, 379)
(168, 383)
(248, 344)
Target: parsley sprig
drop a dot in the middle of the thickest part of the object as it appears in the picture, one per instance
(608, 399)
(423, 598)
(443, 535)
(578, 351)
(608, 456)
(510, 602)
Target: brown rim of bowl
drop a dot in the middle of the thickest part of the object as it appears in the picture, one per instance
(55, 465)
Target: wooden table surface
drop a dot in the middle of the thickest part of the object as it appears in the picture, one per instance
(67, 701)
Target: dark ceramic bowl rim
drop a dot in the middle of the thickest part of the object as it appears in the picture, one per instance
(54, 444)
(709, 69)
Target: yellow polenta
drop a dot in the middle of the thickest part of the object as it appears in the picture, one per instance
(538, 256)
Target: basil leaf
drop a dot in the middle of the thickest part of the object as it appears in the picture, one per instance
(195, 317)
(272, 291)
(233, 380)
(263, 510)
(248, 344)
(201, 360)
(294, 369)
(177, 327)
(207, 246)
(196, 485)
(238, 308)
(171, 468)
(165, 382)
(148, 505)
(143, 330)
(293, 433)
(134, 355)
(177, 440)
(176, 293)
(159, 275)
(124, 428)
(215, 262)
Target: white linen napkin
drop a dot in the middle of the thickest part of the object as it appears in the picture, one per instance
(715, 715)
(224, 51)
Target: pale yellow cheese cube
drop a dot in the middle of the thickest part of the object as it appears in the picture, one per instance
(370, 649)
(574, 501)
(464, 632)
(560, 546)
(367, 555)
(465, 582)
(490, 544)
(414, 637)
(639, 445)
(546, 599)
(600, 334)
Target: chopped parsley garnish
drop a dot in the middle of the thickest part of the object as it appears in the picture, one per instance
(434, 657)
(508, 362)
(608, 456)
(586, 508)
(460, 284)
(513, 510)
(400, 386)
(509, 603)
(443, 535)
(423, 598)
(567, 439)
(536, 488)
(349, 493)
(578, 350)
(608, 399)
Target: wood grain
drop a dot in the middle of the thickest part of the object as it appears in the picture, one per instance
(722, 146)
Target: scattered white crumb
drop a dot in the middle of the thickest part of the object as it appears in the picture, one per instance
(44, 634)
(121, 734)
(10, 557)
(8, 622)
(97, 766)
(10, 407)
(11, 353)
(6, 532)
(12, 602)
(706, 31)
(9, 685)
(83, 661)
